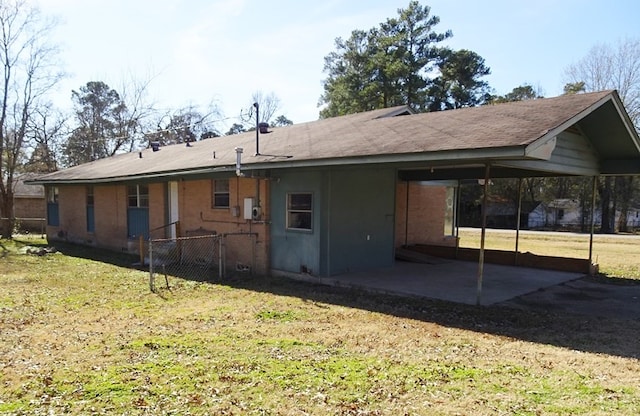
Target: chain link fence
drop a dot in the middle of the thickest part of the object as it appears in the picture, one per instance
(201, 257)
(195, 258)
(27, 225)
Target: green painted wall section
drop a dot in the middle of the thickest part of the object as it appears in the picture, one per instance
(353, 220)
(292, 250)
(361, 226)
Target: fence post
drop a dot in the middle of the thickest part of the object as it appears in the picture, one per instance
(178, 242)
(254, 242)
(151, 282)
(141, 250)
(220, 256)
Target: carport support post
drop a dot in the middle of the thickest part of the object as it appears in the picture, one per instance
(457, 217)
(518, 220)
(483, 234)
(593, 221)
(406, 218)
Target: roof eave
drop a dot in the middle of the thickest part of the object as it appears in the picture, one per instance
(136, 177)
(446, 157)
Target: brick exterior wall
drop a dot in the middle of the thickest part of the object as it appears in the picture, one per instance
(72, 215)
(196, 215)
(423, 221)
(24, 207)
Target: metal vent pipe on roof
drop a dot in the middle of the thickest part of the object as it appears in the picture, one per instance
(257, 106)
(238, 161)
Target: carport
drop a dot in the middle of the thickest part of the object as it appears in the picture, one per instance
(453, 281)
(589, 135)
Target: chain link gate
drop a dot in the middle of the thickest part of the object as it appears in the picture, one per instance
(195, 258)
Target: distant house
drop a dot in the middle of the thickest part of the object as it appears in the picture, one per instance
(557, 213)
(501, 213)
(28, 204)
(568, 213)
(341, 194)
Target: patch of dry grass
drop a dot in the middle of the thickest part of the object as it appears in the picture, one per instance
(617, 255)
(86, 337)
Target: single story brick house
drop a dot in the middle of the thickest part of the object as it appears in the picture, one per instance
(340, 194)
(29, 208)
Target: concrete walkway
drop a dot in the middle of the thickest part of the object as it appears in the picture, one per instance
(454, 281)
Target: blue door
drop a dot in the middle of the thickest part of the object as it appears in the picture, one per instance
(53, 214)
(91, 222)
(138, 222)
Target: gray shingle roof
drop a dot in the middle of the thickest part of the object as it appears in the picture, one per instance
(23, 190)
(353, 138)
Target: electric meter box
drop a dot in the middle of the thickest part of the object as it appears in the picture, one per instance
(248, 208)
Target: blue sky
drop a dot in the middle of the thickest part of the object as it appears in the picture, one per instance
(198, 52)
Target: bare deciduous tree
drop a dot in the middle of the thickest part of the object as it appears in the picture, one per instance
(28, 73)
(612, 67)
(48, 128)
(140, 109)
(267, 106)
(184, 125)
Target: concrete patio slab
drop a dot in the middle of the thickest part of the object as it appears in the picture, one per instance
(453, 280)
(585, 297)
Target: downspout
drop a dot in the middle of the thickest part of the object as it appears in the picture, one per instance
(267, 226)
(515, 259)
(254, 243)
(593, 221)
(483, 234)
(258, 204)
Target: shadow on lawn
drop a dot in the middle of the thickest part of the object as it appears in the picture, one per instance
(574, 331)
(578, 332)
(92, 253)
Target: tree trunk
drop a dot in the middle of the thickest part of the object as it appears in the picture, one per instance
(6, 213)
(624, 189)
(614, 205)
(605, 201)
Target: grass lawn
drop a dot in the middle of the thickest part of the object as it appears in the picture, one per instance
(617, 255)
(82, 334)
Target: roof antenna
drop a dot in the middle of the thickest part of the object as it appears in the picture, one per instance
(256, 105)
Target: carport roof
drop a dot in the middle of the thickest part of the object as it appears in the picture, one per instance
(452, 141)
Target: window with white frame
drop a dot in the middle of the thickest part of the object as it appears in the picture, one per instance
(52, 194)
(220, 193)
(138, 196)
(300, 211)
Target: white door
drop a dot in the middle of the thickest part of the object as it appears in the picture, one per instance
(173, 207)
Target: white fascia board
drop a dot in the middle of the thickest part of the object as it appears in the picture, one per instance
(542, 148)
(573, 120)
(628, 124)
(442, 157)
